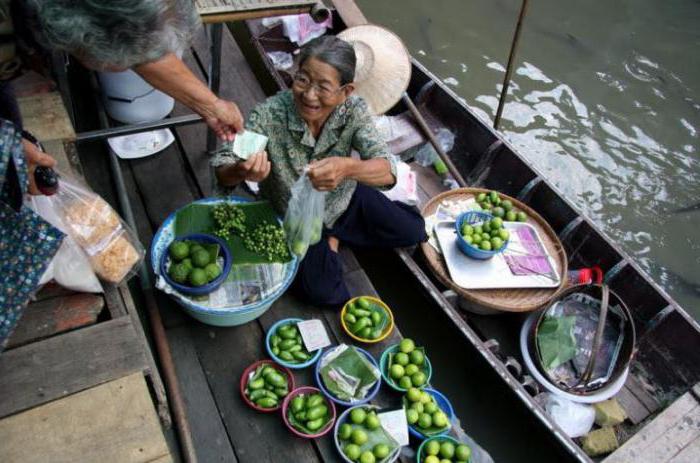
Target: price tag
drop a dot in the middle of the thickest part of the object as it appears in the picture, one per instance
(394, 422)
(313, 333)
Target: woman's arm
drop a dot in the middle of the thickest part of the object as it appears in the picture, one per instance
(326, 174)
(255, 169)
(170, 75)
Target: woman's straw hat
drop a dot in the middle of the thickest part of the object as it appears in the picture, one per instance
(383, 65)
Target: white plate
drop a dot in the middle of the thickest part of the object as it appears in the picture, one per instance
(493, 273)
(142, 144)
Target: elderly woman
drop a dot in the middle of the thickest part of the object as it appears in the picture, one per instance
(318, 123)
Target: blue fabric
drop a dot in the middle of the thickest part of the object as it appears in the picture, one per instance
(370, 221)
(27, 242)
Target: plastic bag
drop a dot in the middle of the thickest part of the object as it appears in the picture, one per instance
(405, 189)
(427, 155)
(111, 246)
(347, 374)
(575, 419)
(303, 221)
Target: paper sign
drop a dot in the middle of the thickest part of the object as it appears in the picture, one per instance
(394, 422)
(313, 333)
(248, 143)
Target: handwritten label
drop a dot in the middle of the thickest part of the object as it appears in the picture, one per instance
(394, 422)
(314, 334)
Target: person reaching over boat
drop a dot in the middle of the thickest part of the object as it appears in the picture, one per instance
(143, 35)
(316, 126)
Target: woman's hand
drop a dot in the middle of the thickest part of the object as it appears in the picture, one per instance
(255, 169)
(224, 118)
(35, 157)
(326, 174)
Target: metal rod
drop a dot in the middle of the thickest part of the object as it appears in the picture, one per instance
(509, 67)
(429, 133)
(161, 341)
(108, 132)
(215, 31)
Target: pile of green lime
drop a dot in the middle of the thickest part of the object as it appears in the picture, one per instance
(445, 451)
(267, 387)
(286, 343)
(487, 236)
(408, 367)
(366, 319)
(192, 263)
(423, 412)
(362, 439)
(308, 413)
(499, 207)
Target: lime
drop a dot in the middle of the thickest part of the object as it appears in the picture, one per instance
(478, 229)
(425, 421)
(407, 345)
(440, 419)
(496, 223)
(411, 369)
(179, 273)
(417, 406)
(481, 197)
(358, 415)
(430, 407)
(367, 457)
(447, 449)
(503, 234)
(179, 250)
(345, 431)
(431, 459)
(425, 397)
(414, 394)
(352, 451)
(188, 263)
(358, 436)
(467, 229)
(511, 216)
(401, 358)
(476, 239)
(488, 207)
(198, 277)
(497, 201)
(194, 248)
(417, 357)
(397, 371)
(299, 247)
(372, 422)
(507, 205)
(418, 379)
(432, 447)
(493, 196)
(412, 416)
(405, 382)
(485, 245)
(496, 243)
(463, 452)
(213, 271)
(469, 239)
(486, 227)
(381, 451)
(522, 217)
(200, 258)
(498, 211)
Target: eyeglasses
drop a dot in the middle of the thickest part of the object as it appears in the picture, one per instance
(303, 83)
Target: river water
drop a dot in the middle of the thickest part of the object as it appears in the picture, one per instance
(605, 100)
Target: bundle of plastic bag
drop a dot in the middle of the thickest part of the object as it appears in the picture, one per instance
(111, 246)
(303, 221)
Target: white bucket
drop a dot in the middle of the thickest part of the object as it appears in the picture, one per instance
(130, 99)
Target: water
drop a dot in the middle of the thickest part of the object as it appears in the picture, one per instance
(604, 100)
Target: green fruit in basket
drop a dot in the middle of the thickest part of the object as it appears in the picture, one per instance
(407, 345)
(349, 318)
(485, 245)
(481, 197)
(401, 358)
(200, 258)
(467, 230)
(432, 447)
(425, 421)
(412, 416)
(414, 394)
(372, 422)
(496, 243)
(496, 223)
(425, 398)
(440, 419)
(486, 227)
(418, 379)
(431, 459)
(503, 234)
(376, 318)
(375, 334)
(179, 273)
(417, 357)
(352, 451)
(397, 371)
(187, 262)
(344, 431)
(511, 216)
(358, 415)
(463, 452)
(179, 250)
(469, 239)
(405, 382)
(417, 406)
(213, 271)
(493, 196)
(478, 230)
(366, 333)
(507, 204)
(476, 239)
(430, 407)
(367, 457)
(299, 247)
(522, 217)
(411, 369)
(358, 436)
(447, 449)
(198, 277)
(498, 212)
(381, 451)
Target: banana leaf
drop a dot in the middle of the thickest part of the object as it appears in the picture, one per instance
(347, 374)
(556, 341)
(198, 218)
(432, 430)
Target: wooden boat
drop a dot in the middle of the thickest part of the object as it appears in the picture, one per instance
(662, 384)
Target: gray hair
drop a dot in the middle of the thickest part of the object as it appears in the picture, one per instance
(334, 52)
(120, 33)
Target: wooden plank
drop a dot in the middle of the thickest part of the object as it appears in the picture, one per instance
(52, 289)
(208, 430)
(634, 409)
(349, 12)
(56, 315)
(40, 372)
(115, 304)
(111, 422)
(232, 6)
(45, 117)
(643, 393)
(690, 454)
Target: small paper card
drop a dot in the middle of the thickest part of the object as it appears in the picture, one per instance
(394, 422)
(248, 143)
(314, 334)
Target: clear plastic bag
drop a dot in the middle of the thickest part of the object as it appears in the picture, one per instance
(426, 156)
(111, 246)
(575, 419)
(303, 222)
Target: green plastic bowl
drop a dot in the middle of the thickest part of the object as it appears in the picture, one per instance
(384, 366)
(419, 453)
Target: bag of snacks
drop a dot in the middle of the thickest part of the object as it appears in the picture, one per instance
(112, 247)
(303, 221)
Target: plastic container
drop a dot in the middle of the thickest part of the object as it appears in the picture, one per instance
(370, 395)
(385, 333)
(345, 417)
(444, 405)
(253, 367)
(419, 452)
(209, 287)
(307, 390)
(295, 366)
(472, 217)
(384, 365)
(131, 100)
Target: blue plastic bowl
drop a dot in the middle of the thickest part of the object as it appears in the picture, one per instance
(342, 419)
(472, 217)
(384, 365)
(419, 454)
(209, 287)
(295, 366)
(444, 405)
(373, 392)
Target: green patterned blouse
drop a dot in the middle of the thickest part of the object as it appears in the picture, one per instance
(291, 146)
